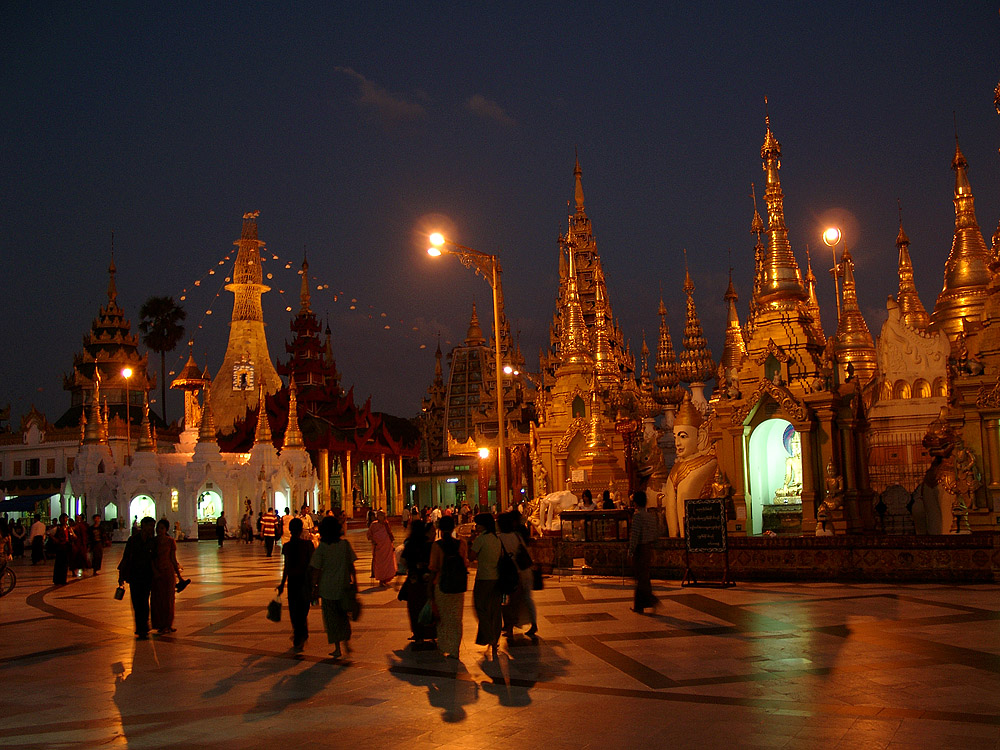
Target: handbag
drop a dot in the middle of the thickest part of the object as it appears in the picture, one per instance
(404, 591)
(274, 610)
(182, 583)
(120, 593)
(426, 616)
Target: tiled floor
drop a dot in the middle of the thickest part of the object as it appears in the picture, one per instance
(758, 665)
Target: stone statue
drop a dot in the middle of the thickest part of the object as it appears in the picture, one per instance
(950, 482)
(691, 476)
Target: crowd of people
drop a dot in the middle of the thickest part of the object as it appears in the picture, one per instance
(73, 545)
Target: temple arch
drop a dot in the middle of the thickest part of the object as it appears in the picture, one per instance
(769, 451)
(142, 506)
(921, 388)
(901, 389)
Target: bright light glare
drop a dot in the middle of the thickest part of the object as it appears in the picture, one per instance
(508, 369)
(437, 239)
(127, 372)
(433, 252)
(484, 452)
(831, 236)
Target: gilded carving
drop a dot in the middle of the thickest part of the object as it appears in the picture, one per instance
(784, 398)
(578, 425)
(771, 349)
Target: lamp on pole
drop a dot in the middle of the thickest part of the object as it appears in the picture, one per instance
(127, 373)
(832, 237)
(488, 266)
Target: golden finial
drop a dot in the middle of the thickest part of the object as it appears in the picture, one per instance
(696, 364)
(604, 365)
(304, 297)
(853, 344)
(910, 308)
(206, 430)
(574, 344)
(145, 443)
(668, 390)
(112, 289)
(293, 435)
(735, 347)
(263, 432)
(578, 191)
(474, 336)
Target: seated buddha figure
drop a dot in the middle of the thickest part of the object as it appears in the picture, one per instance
(791, 490)
(691, 475)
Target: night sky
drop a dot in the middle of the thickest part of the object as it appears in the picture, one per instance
(351, 126)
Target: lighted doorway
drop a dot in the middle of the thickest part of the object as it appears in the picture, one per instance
(110, 512)
(209, 505)
(142, 506)
(772, 456)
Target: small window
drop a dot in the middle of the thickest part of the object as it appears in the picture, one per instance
(31, 468)
(579, 408)
(17, 468)
(50, 466)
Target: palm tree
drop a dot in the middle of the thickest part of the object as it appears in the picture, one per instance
(161, 328)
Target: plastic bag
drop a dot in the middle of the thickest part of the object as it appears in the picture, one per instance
(274, 609)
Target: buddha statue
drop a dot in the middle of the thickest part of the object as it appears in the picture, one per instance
(791, 490)
(691, 475)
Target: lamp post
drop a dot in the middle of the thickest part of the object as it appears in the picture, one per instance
(127, 373)
(488, 266)
(832, 236)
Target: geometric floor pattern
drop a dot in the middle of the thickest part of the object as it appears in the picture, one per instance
(758, 665)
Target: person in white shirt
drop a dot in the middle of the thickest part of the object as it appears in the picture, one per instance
(286, 532)
(36, 535)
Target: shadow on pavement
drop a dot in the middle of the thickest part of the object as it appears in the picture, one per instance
(449, 685)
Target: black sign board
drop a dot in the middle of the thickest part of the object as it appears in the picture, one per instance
(705, 525)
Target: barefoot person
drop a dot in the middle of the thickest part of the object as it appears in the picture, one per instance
(334, 581)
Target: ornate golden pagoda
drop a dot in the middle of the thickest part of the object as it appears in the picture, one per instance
(262, 435)
(145, 442)
(206, 430)
(574, 345)
(781, 283)
(668, 388)
(696, 365)
(910, 308)
(853, 344)
(247, 369)
(812, 301)
(608, 373)
(759, 251)
(966, 272)
(735, 348)
(647, 400)
(293, 435)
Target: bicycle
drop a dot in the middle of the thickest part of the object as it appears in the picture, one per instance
(8, 579)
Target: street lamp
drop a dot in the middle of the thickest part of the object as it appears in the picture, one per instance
(832, 236)
(127, 373)
(488, 266)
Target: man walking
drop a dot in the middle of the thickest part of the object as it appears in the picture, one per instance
(645, 531)
(221, 527)
(267, 523)
(136, 569)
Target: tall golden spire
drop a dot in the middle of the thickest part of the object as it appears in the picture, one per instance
(145, 442)
(853, 344)
(782, 282)
(438, 371)
(604, 364)
(735, 348)
(668, 388)
(304, 296)
(206, 430)
(910, 308)
(263, 432)
(756, 228)
(112, 288)
(578, 188)
(573, 347)
(293, 435)
(696, 364)
(966, 272)
(812, 301)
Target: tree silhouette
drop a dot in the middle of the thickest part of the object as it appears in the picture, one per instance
(160, 323)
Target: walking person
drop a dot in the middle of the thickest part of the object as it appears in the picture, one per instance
(486, 597)
(96, 538)
(79, 546)
(519, 609)
(221, 528)
(383, 550)
(417, 556)
(446, 586)
(62, 542)
(268, 521)
(166, 571)
(645, 531)
(136, 569)
(36, 538)
(297, 552)
(286, 531)
(335, 582)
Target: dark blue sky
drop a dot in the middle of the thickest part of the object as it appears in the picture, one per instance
(348, 124)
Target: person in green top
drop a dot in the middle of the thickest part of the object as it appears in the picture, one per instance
(335, 582)
(486, 597)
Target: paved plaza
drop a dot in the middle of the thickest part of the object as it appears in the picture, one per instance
(758, 665)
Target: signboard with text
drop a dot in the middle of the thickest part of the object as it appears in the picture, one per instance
(705, 525)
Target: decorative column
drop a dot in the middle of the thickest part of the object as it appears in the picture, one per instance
(346, 480)
(324, 478)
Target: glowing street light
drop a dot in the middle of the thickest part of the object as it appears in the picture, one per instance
(488, 266)
(484, 453)
(832, 236)
(127, 373)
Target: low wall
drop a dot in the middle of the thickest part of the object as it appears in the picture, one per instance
(967, 558)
